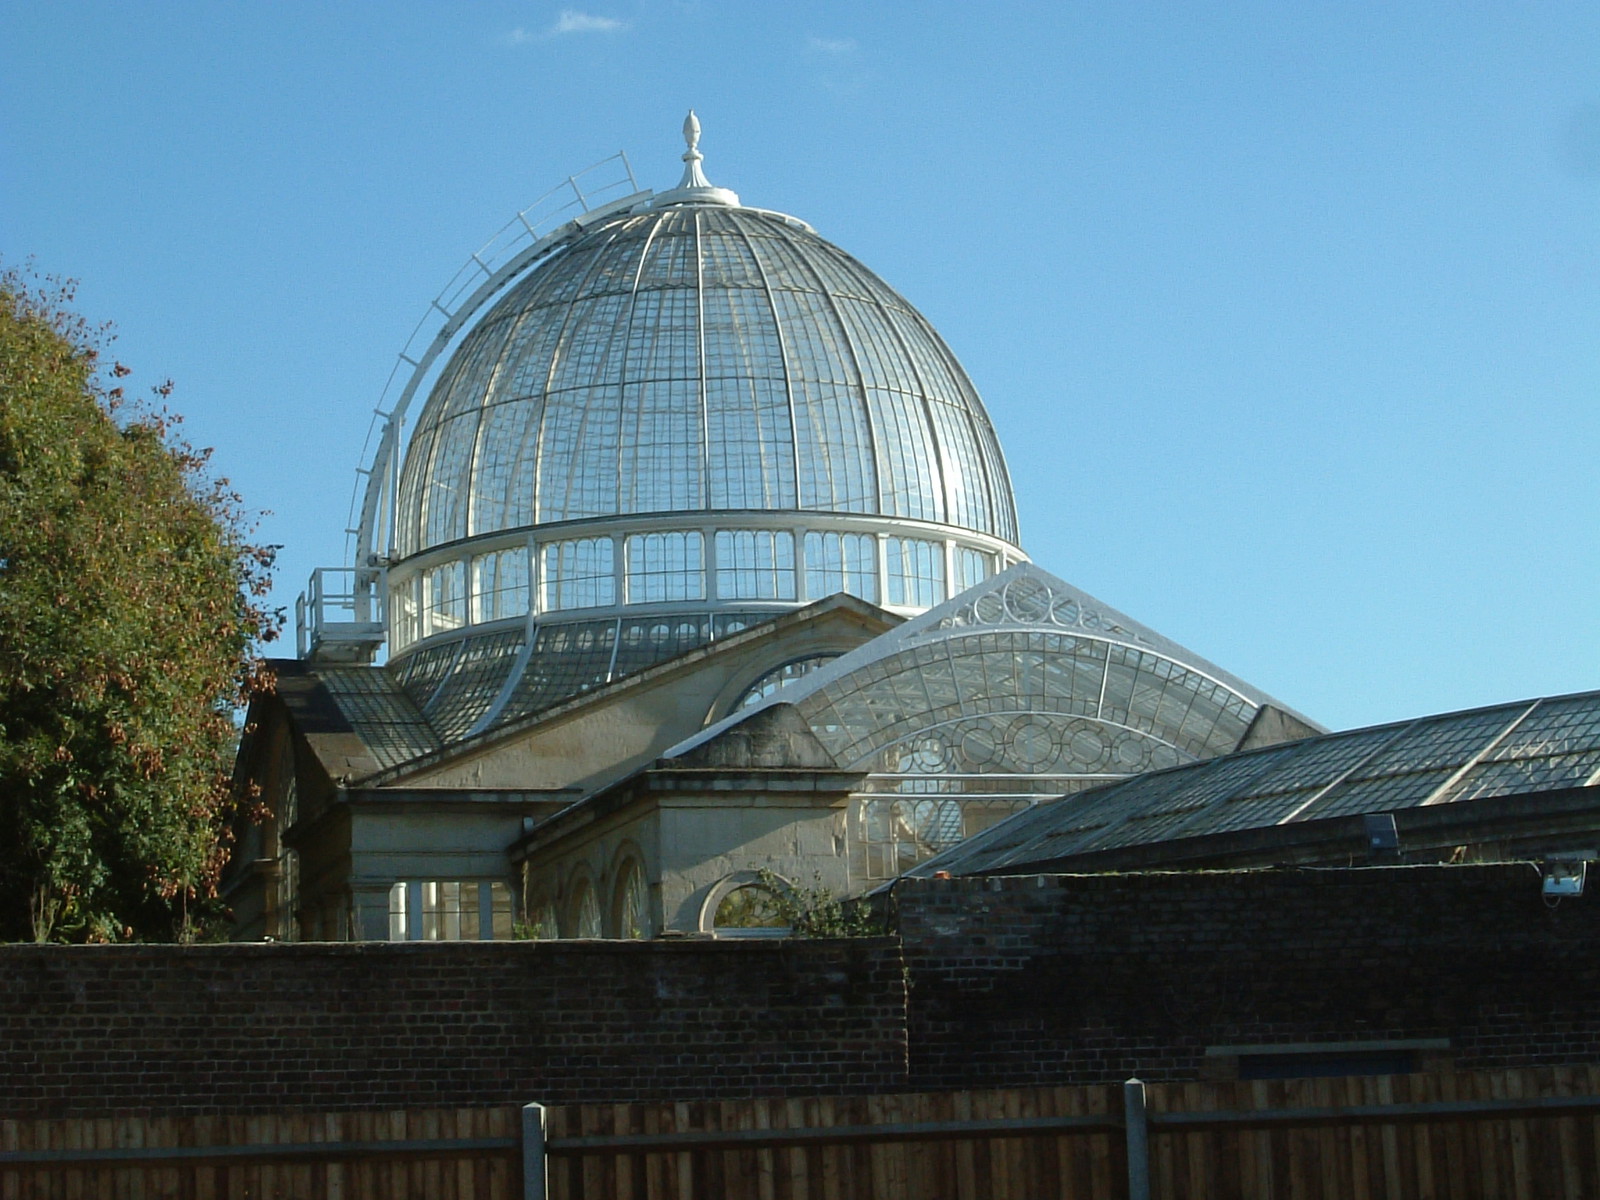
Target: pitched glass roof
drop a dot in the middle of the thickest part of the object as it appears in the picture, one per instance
(1511, 749)
(1022, 678)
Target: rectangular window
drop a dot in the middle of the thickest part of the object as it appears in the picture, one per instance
(444, 598)
(841, 562)
(397, 912)
(453, 911)
(441, 912)
(580, 574)
(916, 572)
(500, 584)
(972, 568)
(663, 567)
(403, 606)
(755, 564)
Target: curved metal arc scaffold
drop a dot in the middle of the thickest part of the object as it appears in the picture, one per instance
(510, 252)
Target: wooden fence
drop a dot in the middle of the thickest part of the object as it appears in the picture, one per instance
(1514, 1134)
(1521, 1135)
(451, 1154)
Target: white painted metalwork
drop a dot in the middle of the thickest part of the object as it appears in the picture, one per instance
(1020, 689)
(340, 617)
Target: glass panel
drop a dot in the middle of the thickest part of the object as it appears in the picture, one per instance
(972, 567)
(633, 904)
(585, 916)
(644, 643)
(500, 584)
(665, 567)
(749, 907)
(444, 598)
(916, 572)
(767, 684)
(475, 681)
(567, 658)
(841, 562)
(419, 673)
(755, 564)
(500, 915)
(580, 574)
(404, 612)
(441, 911)
(397, 912)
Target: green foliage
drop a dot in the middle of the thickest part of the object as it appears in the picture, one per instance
(815, 912)
(130, 606)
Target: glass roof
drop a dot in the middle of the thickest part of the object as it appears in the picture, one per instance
(1023, 685)
(698, 358)
(1511, 749)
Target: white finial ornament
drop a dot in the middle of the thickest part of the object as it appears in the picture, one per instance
(694, 187)
(693, 176)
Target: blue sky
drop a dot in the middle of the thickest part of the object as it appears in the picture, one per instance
(1288, 315)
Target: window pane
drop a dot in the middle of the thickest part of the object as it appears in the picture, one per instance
(749, 907)
(500, 584)
(841, 562)
(666, 566)
(403, 611)
(441, 911)
(444, 598)
(972, 568)
(755, 564)
(916, 572)
(580, 574)
(397, 912)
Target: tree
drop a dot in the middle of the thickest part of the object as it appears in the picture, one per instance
(815, 912)
(130, 608)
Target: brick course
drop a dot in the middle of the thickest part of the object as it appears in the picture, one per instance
(91, 1030)
(1002, 982)
(1093, 978)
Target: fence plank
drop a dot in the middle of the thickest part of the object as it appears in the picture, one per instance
(1388, 1136)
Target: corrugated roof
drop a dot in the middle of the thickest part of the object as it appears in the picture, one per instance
(1511, 749)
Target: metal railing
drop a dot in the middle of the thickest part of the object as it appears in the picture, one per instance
(341, 614)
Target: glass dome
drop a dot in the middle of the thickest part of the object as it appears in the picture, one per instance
(697, 358)
(688, 417)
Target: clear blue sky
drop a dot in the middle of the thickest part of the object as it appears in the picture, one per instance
(1288, 314)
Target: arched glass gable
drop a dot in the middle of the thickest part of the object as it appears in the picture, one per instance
(1019, 689)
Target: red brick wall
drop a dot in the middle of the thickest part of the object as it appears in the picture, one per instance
(254, 1028)
(1093, 978)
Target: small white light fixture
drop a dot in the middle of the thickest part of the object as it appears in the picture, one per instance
(1564, 876)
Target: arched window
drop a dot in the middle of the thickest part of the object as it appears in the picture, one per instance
(750, 910)
(770, 681)
(631, 902)
(583, 912)
(541, 923)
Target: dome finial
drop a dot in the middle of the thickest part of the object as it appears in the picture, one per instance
(694, 187)
(693, 176)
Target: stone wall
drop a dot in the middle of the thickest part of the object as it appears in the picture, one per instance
(1093, 978)
(95, 1030)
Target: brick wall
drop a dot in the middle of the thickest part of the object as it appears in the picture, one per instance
(1066, 979)
(96, 1030)
(1093, 978)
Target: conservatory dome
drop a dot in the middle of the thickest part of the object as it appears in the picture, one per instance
(700, 357)
(693, 409)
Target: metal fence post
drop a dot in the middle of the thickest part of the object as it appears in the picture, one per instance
(1136, 1130)
(535, 1182)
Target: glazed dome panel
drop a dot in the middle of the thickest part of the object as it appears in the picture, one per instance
(692, 359)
